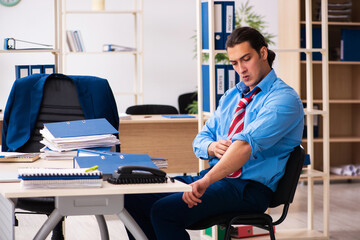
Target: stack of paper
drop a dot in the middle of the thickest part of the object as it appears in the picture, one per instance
(59, 178)
(18, 157)
(48, 154)
(72, 135)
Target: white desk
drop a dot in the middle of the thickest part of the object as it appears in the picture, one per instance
(69, 202)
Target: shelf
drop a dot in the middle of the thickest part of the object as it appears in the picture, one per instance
(336, 139)
(335, 23)
(107, 52)
(30, 51)
(337, 101)
(312, 173)
(215, 51)
(103, 12)
(314, 112)
(335, 62)
(305, 50)
(338, 177)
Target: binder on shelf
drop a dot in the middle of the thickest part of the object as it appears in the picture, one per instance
(26, 70)
(233, 77)
(109, 163)
(36, 69)
(224, 22)
(316, 42)
(16, 44)
(108, 47)
(349, 49)
(221, 84)
(49, 69)
(22, 71)
(229, 18)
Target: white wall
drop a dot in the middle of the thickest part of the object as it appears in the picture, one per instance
(169, 64)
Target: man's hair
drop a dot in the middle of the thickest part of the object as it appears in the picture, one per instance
(254, 37)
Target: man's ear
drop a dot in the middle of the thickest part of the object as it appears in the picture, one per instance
(264, 53)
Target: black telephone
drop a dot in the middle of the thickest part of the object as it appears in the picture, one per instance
(137, 174)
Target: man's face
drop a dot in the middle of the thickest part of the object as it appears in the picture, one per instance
(251, 66)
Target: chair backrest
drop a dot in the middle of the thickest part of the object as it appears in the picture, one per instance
(285, 191)
(151, 109)
(184, 100)
(60, 103)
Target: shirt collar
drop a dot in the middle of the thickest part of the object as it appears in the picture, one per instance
(264, 85)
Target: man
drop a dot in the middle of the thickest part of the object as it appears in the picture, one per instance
(247, 142)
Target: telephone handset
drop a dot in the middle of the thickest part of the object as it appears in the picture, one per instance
(137, 174)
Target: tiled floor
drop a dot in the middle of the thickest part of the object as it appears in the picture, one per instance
(344, 217)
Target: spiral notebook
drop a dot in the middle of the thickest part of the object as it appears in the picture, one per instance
(63, 183)
(59, 178)
(57, 173)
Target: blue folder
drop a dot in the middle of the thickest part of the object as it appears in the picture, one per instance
(350, 50)
(109, 163)
(80, 128)
(178, 116)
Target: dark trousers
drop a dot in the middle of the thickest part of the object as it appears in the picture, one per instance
(165, 216)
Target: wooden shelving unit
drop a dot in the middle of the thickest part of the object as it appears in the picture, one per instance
(138, 63)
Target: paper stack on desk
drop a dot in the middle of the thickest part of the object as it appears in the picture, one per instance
(72, 135)
(59, 178)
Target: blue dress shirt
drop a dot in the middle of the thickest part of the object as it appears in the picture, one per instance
(273, 126)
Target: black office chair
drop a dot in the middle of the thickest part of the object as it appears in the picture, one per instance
(283, 195)
(151, 109)
(60, 103)
(185, 100)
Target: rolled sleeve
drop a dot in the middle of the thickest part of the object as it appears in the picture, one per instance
(279, 116)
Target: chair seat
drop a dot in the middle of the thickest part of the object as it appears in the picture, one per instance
(235, 217)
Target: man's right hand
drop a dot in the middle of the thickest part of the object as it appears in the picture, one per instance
(218, 149)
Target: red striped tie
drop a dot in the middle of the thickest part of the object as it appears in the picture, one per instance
(237, 123)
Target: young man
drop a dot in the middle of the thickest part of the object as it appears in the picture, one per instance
(247, 142)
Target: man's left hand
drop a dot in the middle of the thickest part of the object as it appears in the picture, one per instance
(198, 189)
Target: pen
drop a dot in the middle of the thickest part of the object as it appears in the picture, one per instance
(93, 168)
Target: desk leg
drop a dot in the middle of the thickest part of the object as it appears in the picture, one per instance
(104, 233)
(7, 218)
(49, 225)
(131, 225)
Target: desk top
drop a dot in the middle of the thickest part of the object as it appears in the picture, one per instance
(14, 190)
(157, 119)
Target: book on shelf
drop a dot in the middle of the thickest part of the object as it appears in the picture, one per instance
(75, 41)
(17, 157)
